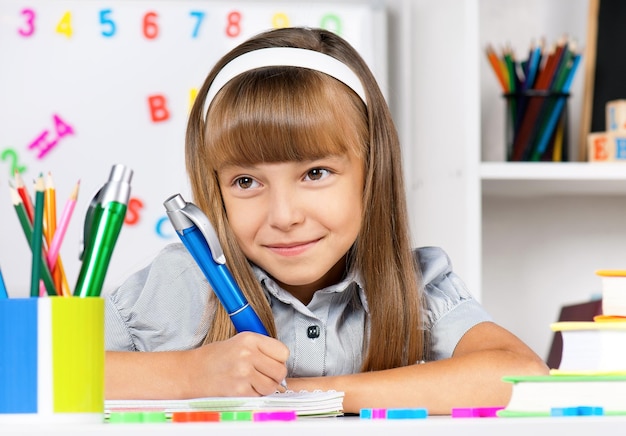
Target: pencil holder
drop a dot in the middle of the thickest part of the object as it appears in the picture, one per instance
(537, 126)
(52, 359)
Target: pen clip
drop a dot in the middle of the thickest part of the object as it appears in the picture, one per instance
(177, 206)
(201, 221)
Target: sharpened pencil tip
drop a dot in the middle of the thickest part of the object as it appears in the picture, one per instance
(39, 183)
(15, 197)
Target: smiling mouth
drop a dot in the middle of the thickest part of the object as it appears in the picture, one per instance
(292, 249)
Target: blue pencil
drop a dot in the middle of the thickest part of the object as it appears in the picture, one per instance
(533, 66)
(3, 288)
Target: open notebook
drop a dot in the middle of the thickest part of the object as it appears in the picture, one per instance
(305, 404)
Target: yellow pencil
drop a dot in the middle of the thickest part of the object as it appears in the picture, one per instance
(50, 218)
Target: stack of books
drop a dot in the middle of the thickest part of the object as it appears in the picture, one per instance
(592, 371)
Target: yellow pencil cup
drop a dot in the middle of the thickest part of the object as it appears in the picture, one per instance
(52, 359)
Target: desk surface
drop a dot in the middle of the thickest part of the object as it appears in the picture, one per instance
(583, 426)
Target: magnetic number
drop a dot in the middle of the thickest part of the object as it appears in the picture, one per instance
(199, 16)
(150, 26)
(64, 25)
(233, 26)
(280, 20)
(14, 166)
(29, 16)
(331, 22)
(108, 24)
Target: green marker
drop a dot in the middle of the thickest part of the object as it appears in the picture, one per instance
(102, 226)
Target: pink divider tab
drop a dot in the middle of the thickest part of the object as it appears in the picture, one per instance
(476, 412)
(280, 415)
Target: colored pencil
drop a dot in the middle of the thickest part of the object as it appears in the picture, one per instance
(27, 229)
(59, 234)
(50, 217)
(496, 66)
(36, 240)
(534, 60)
(55, 245)
(557, 108)
(50, 226)
(528, 127)
(23, 192)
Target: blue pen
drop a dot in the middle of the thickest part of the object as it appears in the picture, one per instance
(197, 234)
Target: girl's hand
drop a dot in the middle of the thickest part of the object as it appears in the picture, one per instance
(248, 364)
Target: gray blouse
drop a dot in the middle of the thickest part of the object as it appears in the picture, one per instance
(165, 307)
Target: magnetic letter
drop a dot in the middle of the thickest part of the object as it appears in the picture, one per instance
(158, 108)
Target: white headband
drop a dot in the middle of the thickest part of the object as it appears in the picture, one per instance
(284, 56)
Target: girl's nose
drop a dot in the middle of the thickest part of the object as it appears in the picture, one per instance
(285, 209)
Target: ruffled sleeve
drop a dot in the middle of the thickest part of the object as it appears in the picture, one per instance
(159, 308)
(450, 310)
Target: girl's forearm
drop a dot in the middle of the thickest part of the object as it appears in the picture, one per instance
(139, 375)
(467, 381)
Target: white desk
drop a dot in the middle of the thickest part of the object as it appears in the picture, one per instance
(351, 426)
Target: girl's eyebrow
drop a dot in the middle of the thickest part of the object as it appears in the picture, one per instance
(231, 166)
(243, 166)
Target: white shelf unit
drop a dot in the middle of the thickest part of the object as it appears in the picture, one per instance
(545, 227)
(525, 237)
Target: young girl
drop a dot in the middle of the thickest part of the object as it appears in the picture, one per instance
(292, 154)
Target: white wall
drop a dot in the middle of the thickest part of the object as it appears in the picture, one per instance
(436, 107)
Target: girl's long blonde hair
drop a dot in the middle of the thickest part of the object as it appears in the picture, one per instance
(276, 114)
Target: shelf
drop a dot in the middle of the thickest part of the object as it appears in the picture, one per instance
(552, 178)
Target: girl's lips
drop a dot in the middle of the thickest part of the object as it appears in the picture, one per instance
(292, 249)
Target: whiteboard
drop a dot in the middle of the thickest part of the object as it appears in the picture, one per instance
(86, 84)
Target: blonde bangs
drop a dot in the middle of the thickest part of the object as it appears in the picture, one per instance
(308, 116)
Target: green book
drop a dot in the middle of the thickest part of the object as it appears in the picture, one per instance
(538, 395)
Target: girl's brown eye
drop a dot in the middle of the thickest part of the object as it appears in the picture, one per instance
(316, 174)
(244, 182)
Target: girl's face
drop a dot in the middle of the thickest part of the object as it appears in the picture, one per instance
(296, 220)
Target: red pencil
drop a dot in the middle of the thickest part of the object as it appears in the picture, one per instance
(23, 193)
